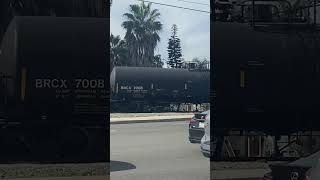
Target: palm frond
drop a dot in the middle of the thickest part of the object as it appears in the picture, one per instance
(129, 16)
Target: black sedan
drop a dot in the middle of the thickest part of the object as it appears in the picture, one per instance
(307, 168)
(196, 127)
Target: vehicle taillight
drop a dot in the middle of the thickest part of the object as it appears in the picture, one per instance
(205, 121)
(192, 120)
(206, 124)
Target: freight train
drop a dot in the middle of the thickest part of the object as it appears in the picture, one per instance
(54, 90)
(134, 88)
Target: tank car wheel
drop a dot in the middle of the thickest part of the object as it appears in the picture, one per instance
(72, 142)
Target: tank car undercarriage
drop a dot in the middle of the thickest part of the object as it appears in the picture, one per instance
(46, 143)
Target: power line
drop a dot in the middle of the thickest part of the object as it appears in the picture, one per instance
(176, 6)
(194, 2)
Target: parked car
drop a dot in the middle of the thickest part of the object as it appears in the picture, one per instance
(196, 127)
(307, 168)
(205, 140)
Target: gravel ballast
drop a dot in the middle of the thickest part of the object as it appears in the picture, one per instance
(8, 171)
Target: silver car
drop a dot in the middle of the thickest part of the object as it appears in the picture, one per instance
(196, 127)
(205, 140)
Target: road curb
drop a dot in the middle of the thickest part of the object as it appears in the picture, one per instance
(239, 174)
(257, 178)
(148, 121)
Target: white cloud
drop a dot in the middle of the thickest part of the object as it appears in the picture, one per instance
(193, 27)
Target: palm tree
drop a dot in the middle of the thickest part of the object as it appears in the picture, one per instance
(118, 52)
(142, 36)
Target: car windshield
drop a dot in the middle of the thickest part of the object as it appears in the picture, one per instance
(201, 115)
(206, 112)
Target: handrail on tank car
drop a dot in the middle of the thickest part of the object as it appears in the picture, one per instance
(252, 19)
(290, 12)
(314, 5)
(5, 77)
(283, 27)
(253, 7)
(291, 20)
(242, 4)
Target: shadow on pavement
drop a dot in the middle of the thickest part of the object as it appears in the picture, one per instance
(120, 166)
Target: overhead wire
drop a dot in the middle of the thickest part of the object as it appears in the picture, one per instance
(193, 2)
(180, 7)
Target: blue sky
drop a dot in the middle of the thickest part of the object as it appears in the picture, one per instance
(193, 27)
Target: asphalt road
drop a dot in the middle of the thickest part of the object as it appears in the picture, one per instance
(152, 151)
(156, 151)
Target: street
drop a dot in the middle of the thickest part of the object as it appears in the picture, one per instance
(145, 151)
(154, 151)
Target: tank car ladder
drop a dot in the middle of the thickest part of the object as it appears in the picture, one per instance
(222, 146)
(293, 22)
(228, 147)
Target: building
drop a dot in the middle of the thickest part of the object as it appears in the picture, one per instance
(192, 65)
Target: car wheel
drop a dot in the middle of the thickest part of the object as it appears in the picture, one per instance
(206, 155)
(267, 176)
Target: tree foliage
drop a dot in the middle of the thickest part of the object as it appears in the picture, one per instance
(118, 52)
(142, 33)
(174, 49)
(157, 61)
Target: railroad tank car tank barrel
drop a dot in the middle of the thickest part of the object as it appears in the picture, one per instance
(160, 84)
(47, 53)
(279, 81)
(64, 84)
